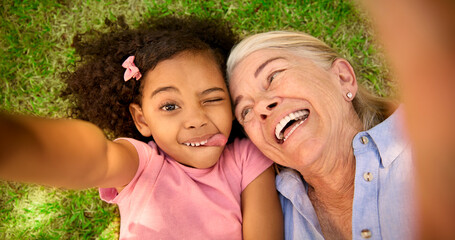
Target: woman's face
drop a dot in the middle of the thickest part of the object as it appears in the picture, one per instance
(291, 108)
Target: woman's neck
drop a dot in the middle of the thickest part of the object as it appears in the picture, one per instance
(332, 196)
(331, 184)
(334, 184)
(332, 175)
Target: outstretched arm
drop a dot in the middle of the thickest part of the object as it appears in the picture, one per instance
(419, 38)
(63, 153)
(262, 215)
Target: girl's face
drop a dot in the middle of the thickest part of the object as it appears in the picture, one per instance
(186, 108)
(292, 109)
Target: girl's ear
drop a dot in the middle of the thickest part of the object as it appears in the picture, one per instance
(346, 76)
(139, 120)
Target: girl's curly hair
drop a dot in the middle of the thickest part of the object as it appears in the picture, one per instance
(97, 86)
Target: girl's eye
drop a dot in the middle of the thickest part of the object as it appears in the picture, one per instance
(169, 107)
(213, 100)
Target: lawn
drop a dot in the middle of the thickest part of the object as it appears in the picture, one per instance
(35, 40)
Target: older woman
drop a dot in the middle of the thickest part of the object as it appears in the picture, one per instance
(349, 171)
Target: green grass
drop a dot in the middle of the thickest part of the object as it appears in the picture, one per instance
(35, 39)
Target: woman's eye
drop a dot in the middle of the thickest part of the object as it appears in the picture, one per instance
(245, 112)
(273, 75)
(169, 107)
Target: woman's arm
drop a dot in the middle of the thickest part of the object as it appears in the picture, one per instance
(419, 38)
(262, 215)
(63, 153)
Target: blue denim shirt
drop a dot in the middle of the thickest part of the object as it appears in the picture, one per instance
(383, 205)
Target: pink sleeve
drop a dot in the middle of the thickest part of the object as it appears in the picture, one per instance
(111, 195)
(253, 161)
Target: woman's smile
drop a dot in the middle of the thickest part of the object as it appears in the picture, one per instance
(289, 124)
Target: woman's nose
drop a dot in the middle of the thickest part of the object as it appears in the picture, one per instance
(265, 107)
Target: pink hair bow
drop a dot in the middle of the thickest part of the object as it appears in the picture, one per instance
(131, 70)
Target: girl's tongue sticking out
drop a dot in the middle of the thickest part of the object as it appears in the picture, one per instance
(217, 140)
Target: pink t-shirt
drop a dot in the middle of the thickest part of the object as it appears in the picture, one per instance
(167, 200)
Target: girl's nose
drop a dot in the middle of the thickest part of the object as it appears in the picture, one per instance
(195, 118)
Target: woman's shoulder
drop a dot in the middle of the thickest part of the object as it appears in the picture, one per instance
(389, 137)
(391, 128)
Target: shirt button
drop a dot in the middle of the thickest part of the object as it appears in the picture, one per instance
(365, 233)
(368, 176)
(364, 140)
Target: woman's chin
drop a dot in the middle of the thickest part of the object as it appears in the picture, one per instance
(302, 154)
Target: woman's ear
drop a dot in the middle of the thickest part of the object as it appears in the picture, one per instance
(346, 76)
(139, 120)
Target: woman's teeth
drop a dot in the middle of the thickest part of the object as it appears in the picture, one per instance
(196, 144)
(284, 123)
(293, 129)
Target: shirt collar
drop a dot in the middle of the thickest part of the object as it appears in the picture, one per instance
(291, 185)
(389, 137)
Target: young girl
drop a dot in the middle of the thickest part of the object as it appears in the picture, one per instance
(163, 81)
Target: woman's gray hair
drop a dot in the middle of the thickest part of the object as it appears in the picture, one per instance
(371, 109)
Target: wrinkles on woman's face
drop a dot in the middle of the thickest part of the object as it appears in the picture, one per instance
(287, 105)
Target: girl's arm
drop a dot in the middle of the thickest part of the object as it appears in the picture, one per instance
(63, 153)
(262, 215)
